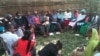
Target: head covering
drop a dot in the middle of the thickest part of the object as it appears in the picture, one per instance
(83, 10)
(92, 43)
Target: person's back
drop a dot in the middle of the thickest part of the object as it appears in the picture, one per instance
(22, 46)
(9, 38)
(49, 50)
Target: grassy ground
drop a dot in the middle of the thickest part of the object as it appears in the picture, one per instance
(68, 39)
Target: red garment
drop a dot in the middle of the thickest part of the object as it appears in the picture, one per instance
(33, 36)
(22, 46)
(87, 19)
(37, 20)
(66, 22)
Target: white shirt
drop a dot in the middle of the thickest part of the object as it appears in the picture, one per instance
(19, 33)
(9, 38)
(80, 17)
(47, 21)
(67, 15)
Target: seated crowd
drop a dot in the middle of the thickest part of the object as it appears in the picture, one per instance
(49, 22)
(18, 32)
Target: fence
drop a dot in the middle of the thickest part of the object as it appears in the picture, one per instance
(11, 6)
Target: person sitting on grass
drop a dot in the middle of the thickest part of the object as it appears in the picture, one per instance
(33, 38)
(51, 49)
(9, 38)
(24, 45)
(92, 43)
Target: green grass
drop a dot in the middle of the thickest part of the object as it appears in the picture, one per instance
(68, 39)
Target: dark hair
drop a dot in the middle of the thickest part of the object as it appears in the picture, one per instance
(26, 36)
(59, 44)
(29, 27)
(17, 13)
(8, 26)
(89, 29)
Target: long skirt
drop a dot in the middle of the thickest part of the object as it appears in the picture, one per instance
(66, 22)
(83, 29)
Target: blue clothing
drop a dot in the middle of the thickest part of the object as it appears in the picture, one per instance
(41, 18)
(54, 17)
(73, 17)
(60, 16)
(1, 29)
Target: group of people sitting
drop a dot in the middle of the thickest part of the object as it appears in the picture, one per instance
(25, 45)
(47, 23)
(18, 32)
